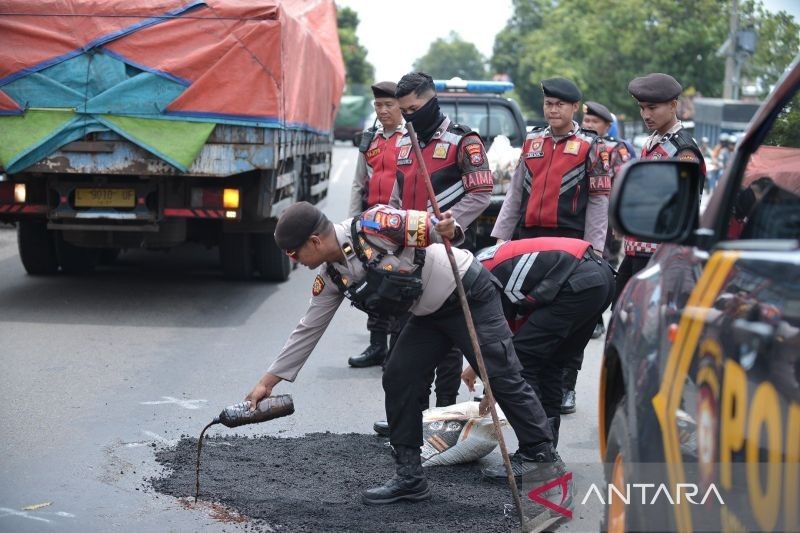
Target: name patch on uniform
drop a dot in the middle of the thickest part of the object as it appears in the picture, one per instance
(417, 228)
(318, 286)
(480, 181)
(599, 185)
(530, 155)
(402, 155)
(475, 152)
(372, 153)
(440, 151)
(572, 147)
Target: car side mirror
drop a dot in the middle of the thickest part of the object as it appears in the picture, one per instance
(657, 200)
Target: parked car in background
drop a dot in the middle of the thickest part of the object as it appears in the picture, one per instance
(353, 118)
(482, 106)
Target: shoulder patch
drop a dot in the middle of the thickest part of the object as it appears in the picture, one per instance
(318, 286)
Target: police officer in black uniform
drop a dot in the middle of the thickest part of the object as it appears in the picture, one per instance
(389, 261)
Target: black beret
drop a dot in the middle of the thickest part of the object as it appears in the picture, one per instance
(655, 88)
(561, 88)
(384, 89)
(598, 110)
(297, 224)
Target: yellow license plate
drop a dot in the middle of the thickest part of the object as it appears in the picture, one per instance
(105, 197)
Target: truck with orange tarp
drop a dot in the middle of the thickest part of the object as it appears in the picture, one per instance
(150, 123)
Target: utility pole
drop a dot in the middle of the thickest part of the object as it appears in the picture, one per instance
(732, 64)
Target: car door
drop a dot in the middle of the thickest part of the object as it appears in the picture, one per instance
(729, 400)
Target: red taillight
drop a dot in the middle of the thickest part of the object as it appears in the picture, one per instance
(206, 197)
(6, 192)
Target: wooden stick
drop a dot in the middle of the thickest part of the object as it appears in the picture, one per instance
(473, 336)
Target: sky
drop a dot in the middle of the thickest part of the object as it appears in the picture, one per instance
(397, 33)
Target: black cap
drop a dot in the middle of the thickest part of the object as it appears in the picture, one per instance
(561, 88)
(598, 110)
(384, 89)
(655, 88)
(297, 224)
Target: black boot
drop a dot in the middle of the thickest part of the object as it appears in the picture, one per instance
(381, 427)
(538, 463)
(568, 402)
(374, 354)
(408, 483)
(599, 329)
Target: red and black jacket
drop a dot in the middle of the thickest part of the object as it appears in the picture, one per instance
(558, 178)
(532, 271)
(457, 164)
(380, 157)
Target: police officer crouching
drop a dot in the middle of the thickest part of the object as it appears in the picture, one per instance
(392, 261)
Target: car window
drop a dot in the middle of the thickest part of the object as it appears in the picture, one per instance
(768, 203)
(487, 118)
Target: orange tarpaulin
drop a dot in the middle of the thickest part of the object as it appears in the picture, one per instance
(267, 61)
(780, 164)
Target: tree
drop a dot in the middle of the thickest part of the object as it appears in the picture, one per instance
(451, 57)
(603, 45)
(359, 73)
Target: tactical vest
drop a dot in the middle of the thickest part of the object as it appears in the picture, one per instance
(381, 156)
(555, 190)
(441, 160)
(533, 271)
(382, 293)
(677, 142)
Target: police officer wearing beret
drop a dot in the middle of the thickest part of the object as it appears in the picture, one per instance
(554, 290)
(455, 157)
(561, 185)
(392, 261)
(657, 95)
(597, 118)
(372, 184)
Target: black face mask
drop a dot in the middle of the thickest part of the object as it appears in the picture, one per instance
(426, 119)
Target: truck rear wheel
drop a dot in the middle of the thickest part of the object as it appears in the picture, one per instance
(271, 261)
(236, 256)
(75, 259)
(36, 248)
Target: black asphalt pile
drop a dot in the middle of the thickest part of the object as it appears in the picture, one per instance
(314, 483)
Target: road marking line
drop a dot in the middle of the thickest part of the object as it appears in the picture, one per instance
(21, 514)
(186, 404)
(338, 174)
(64, 514)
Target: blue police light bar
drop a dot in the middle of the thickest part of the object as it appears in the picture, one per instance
(473, 86)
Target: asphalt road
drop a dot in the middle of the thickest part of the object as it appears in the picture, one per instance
(100, 371)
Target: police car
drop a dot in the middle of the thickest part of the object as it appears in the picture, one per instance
(482, 106)
(700, 383)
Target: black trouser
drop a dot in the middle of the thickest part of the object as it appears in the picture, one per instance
(630, 266)
(426, 339)
(557, 333)
(446, 375)
(380, 324)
